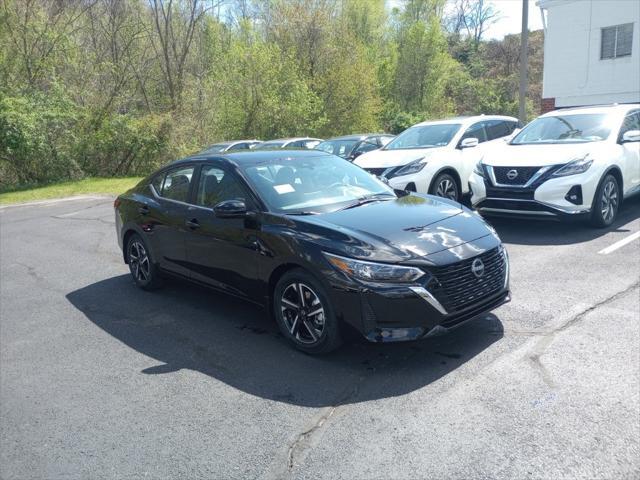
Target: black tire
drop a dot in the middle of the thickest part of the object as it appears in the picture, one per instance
(606, 202)
(311, 333)
(143, 269)
(445, 186)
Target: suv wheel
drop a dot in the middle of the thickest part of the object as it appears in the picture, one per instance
(304, 314)
(606, 202)
(445, 186)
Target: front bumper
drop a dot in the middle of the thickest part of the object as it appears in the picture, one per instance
(545, 200)
(391, 313)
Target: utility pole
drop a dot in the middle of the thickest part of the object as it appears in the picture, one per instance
(524, 61)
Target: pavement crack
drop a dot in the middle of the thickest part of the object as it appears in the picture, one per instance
(547, 338)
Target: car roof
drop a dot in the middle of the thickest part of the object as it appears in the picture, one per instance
(466, 120)
(358, 136)
(292, 139)
(623, 107)
(251, 157)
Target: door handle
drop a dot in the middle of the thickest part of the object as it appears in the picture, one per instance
(192, 224)
(143, 210)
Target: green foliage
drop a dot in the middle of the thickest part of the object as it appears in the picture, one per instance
(106, 88)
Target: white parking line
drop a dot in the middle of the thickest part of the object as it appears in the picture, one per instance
(620, 244)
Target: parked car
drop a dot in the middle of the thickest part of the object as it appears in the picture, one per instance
(437, 157)
(290, 143)
(231, 146)
(352, 146)
(570, 163)
(300, 234)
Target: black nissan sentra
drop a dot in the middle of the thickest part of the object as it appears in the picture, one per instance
(321, 243)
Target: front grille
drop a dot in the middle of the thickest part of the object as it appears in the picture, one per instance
(375, 171)
(511, 193)
(524, 174)
(458, 287)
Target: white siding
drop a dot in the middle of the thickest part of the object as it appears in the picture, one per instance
(574, 74)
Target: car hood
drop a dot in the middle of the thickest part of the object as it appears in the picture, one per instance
(405, 229)
(539, 155)
(393, 158)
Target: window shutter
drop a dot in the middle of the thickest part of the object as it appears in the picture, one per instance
(608, 43)
(625, 39)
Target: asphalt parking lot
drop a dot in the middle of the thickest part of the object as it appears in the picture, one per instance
(101, 380)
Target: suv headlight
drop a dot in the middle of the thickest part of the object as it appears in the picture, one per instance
(574, 167)
(413, 167)
(374, 272)
(478, 170)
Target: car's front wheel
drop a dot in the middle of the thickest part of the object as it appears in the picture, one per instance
(445, 186)
(143, 270)
(606, 202)
(304, 313)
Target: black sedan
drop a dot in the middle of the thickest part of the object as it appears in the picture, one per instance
(321, 243)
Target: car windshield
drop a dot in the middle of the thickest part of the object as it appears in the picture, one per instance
(269, 146)
(424, 136)
(342, 148)
(218, 147)
(315, 184)
(578, 128)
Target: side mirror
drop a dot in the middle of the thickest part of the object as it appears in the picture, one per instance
(631, 136)
(230, 209)
(469, 142)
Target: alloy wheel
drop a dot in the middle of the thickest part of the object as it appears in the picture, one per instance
(139, 261)
(303, 313)
(447, 189)
(609, 204)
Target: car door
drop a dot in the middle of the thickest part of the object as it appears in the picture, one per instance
(630, 152)
(164, 218)
(222, 252)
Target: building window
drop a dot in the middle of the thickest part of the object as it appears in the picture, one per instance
(616, 41)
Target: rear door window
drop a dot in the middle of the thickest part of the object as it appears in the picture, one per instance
(498, 128)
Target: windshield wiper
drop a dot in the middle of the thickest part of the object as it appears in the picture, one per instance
(303, 212)
(376, 197)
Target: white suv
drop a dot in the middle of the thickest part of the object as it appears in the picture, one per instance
(437, 157)
(570, 163)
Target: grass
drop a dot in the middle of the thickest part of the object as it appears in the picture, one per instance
(87, 186)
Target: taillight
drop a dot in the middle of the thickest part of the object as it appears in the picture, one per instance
(116, 203)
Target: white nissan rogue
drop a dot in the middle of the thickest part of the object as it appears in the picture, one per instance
(570, 163)
(437, 157)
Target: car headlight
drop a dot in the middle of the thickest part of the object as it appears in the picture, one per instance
(374, 272)
(413, 167)
(478, 170)
(579, 165)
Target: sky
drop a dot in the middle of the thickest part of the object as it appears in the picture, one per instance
(510, 20)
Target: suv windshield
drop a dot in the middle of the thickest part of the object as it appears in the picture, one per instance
(313, 184)
(577, 128)
(424, 136)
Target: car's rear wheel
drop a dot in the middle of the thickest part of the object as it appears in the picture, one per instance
(142, 267)
(304, 313)
(445, 186)
(606, 202)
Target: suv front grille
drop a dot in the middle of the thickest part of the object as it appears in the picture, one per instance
(458, 287)
(523, 175)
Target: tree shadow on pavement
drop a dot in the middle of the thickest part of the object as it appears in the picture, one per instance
(189, 327)
(547, 232)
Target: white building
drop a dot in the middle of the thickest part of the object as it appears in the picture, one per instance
(591, 52)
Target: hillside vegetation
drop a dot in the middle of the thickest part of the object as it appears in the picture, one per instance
(118, 87)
